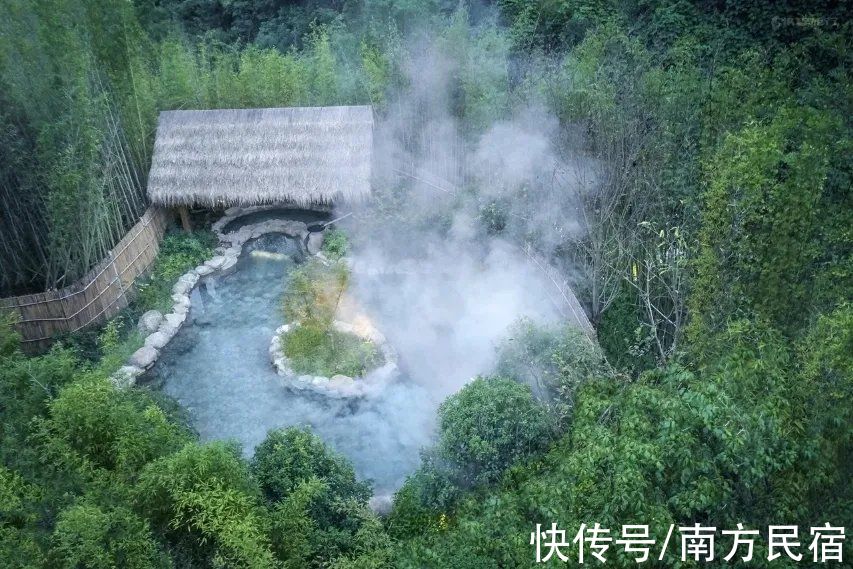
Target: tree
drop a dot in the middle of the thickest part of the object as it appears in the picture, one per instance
(488, 426)
(203, 500)
(111, 428)
(553, 361)
(762, 227)
(88, 536)
(297, 474)
(289, 457)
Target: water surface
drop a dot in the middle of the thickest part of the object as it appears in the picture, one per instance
(218, 368)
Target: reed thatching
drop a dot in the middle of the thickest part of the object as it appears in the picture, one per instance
(301, 156)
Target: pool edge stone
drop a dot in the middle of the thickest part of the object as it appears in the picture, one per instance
(224, 262)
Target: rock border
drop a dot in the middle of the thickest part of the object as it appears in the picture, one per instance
(339, 386)
(223, 262)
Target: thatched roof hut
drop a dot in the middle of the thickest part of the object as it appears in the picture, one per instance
(302, 156)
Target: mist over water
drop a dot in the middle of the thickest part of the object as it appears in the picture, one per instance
(218, 368)
(442, 320)
(437, 282)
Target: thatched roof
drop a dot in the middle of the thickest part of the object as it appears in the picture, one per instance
(300, 155)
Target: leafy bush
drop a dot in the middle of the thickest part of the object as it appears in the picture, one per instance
(314, 292)
(296, 470)
(484, 429)
(10, 340)
(88, 536)
(489, 425)
(291, 456)
(110, 428)
(315, 351)
(179, 253)
(335, 244)
(555, 362)
(203, 499)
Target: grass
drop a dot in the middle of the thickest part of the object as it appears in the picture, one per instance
(326, 352)
(311, 298)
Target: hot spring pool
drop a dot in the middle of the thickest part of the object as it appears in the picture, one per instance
(218, 368)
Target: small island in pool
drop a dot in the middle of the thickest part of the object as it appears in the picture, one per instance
(328, 345)
(313, 344)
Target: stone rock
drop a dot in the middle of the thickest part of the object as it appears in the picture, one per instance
(203, 270)
(150, 321)
(216, 262)
(314, 242)
(169, 328)
(341, 378)
(190, 278)
(157, 340)
(175, 319)
(181, 287)
(294, 228)
(144, 357)
(126, 376)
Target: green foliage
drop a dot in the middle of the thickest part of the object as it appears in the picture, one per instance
(554, 362)
(484, 429)
(9, 337)
(326, 352)
(311, 299)
(825, 389)
(289, 457)
(335, 244)
(116, 343)
(87, 536)
(299, 474)
(622, 336)
(112, 429)
(314, 291)
(488, 426)
(763, 222)
(672, 446)
(76, 137)
(727, 122)
(179, 253)
(204, 501)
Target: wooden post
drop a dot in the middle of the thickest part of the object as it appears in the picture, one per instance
(185, 218)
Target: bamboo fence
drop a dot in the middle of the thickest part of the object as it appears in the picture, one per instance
(96, 297)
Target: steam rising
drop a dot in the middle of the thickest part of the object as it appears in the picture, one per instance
(441, 286)
(442, 262)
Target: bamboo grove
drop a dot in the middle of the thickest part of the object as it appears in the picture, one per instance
(78, 110)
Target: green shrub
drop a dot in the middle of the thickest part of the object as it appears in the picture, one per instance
(554, 361)
(9, 338)
(489, 425)
(335, 244)
(288, 457)
(179, 253)
(204, 500)
(316, 351)
(314, 292)
(88, 536)
(315, 496)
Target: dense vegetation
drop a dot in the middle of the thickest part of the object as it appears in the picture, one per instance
(717, 267)
(313, 345)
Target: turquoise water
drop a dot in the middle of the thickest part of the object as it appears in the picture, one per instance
(218, 368)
